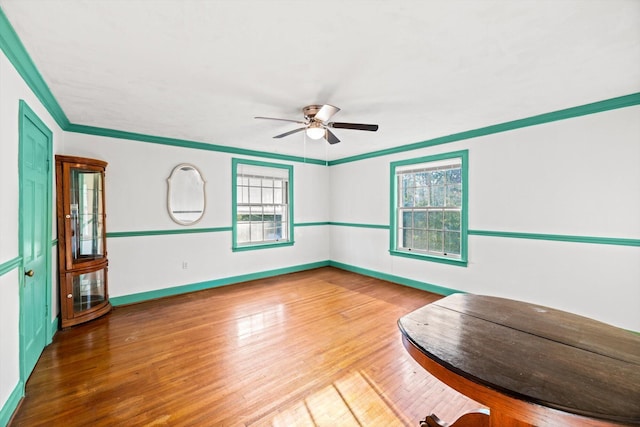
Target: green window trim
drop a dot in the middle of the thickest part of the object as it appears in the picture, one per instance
(463, 155)
(254, 246)
(235, 162)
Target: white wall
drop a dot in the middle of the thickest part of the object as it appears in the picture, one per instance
(136, 188)
(579, 176)
(12, 89)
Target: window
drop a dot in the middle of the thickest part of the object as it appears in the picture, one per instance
(262, 204)
(429, 208)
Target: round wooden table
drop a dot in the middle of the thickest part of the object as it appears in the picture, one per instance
(530, 365)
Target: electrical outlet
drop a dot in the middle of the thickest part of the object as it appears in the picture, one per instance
(184, 265)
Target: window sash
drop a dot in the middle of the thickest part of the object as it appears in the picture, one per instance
(417, 232)
(430, 196)
(262, 208)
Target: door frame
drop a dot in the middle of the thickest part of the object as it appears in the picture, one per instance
(26, 114)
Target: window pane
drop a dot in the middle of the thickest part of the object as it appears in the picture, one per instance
(243, 233)
(257, 232)
(421, 179)
(454, 195)
(435, 220)
(407, 238)
(267, 195)
(420, 240)
(256, 213)
(454, 176)
(270, 233)
(407, 180)
(435, 241)
(273, 209)
(422, 196)
(407, 197)
(437, 196)
(243, 195)
(254, 195)
(451, 243)
(255, 182)
(243, 213)
(269, 219)
(452, 220)
(437, 177)
(407, 219)
(420, 219)
(281, 212)
(277, 195)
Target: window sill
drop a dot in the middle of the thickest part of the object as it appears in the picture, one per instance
(255, 246)
(432, 258)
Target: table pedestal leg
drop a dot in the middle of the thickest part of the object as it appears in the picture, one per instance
(479, 418)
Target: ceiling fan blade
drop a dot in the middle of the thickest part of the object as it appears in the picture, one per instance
(282, 120)
(356, 126)
(330, 137)
(325, 112)
(282, 135)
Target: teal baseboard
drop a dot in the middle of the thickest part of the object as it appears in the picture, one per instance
(11, 404)
(160, 293)
(209, 284)
(429, 287)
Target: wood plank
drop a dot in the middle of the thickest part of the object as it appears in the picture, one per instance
(290, 350)
(577, 331)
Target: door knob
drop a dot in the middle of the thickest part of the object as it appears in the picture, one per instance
(29, 273)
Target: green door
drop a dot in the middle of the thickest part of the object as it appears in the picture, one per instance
(35, 237)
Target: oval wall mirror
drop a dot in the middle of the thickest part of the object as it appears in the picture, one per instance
(185, 194)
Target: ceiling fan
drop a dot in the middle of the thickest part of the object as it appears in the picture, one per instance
(317, 126)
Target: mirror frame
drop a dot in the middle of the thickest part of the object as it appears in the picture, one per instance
(173, 174)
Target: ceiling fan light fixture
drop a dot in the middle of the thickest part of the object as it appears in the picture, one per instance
(315, 131)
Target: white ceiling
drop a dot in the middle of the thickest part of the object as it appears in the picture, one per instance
(201, 70)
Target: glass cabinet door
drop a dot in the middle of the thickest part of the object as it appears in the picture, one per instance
(86, 291)
(86, 216)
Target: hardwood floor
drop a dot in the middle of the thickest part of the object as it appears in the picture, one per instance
(316, 348)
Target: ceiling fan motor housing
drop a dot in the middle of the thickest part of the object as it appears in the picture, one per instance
(310, 111)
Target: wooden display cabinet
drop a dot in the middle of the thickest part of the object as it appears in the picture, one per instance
(82, 247)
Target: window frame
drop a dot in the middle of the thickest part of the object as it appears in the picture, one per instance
(237, 247)
(463, 155)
